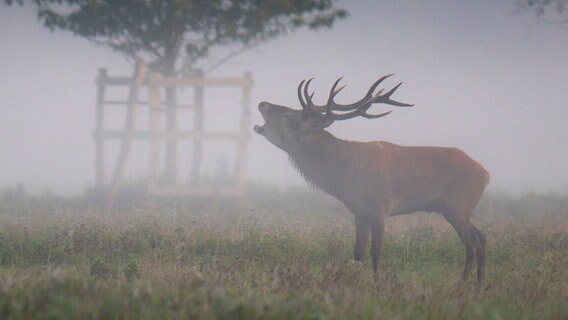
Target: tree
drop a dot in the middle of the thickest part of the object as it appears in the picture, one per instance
(547, 11)
(175, 36)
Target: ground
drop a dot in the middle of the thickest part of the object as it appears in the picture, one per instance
(279, 255)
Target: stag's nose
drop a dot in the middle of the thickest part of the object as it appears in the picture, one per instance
(263, 106)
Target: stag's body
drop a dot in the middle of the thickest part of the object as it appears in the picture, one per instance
(378, 179)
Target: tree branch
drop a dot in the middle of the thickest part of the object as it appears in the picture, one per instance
(230, 56)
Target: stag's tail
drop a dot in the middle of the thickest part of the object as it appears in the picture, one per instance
(486, 176)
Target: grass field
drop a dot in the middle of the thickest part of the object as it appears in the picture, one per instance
(281, 255)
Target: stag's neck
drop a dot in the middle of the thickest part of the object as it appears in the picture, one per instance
(323, 159)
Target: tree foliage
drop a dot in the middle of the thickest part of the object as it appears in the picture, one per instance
(176, 35)
(548, 11)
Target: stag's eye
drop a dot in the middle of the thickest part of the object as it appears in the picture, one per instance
(288, 117)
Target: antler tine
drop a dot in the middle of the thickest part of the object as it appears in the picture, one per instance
(333, 92)
(375, 116)
(310, 104)
(306, 93)
(378, 98)
(376, 84)
(302, 102)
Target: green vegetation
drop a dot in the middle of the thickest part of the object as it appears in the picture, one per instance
(281, 255)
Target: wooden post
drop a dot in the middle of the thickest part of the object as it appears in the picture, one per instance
(154, 126)
(171, 127)
(100, 175)
(137, 78)
(245, 135)
(197, 128)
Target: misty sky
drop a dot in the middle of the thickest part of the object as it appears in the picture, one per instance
(483, 79)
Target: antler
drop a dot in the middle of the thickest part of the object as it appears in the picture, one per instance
(358, 108)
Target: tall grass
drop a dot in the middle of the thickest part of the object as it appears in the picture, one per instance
(280, 255)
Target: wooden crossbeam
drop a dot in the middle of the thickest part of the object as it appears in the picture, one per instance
(179, 82)
(164, 135)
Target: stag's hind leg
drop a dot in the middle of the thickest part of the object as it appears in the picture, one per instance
(463, 228)
(475, 244)
(479, 240)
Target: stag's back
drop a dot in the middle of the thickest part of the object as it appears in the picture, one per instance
(433, 179)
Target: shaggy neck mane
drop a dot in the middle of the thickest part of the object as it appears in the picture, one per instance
(321, 160)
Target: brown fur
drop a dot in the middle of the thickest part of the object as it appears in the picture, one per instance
(379, 179)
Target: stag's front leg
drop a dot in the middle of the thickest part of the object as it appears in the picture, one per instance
(361, 236)
(377, 231)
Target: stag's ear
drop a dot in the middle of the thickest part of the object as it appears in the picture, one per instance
(314, 125)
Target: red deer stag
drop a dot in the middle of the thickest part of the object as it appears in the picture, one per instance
(378, 179)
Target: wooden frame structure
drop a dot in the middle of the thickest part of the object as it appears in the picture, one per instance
(156, 136)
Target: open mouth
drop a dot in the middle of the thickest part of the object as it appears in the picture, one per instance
(262, 107)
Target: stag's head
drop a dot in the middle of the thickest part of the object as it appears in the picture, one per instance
(285, 126)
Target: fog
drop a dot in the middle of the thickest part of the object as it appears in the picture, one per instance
(482, 79)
